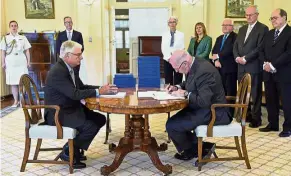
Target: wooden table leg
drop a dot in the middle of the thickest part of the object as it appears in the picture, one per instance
(137, 137)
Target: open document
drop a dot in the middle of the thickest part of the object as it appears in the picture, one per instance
(118, 95)
(158, 95)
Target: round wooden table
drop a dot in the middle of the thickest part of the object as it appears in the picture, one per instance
(137, 136)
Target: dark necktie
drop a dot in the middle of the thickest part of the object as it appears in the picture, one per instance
(276, 34)
(172, 39)
(222, 42)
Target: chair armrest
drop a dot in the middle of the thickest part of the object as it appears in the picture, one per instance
(230, 98)
(57, 108)
(211, 123)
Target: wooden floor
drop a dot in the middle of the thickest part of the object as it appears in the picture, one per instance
(6, 101)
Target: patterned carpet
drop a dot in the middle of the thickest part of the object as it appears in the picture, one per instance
(7, 110)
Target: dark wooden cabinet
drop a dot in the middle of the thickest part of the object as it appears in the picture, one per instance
(151, 46)
(42, 56)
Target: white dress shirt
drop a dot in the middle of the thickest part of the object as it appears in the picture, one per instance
(166, 41)
(69, 34)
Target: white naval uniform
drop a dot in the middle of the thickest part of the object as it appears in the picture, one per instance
(16, 62)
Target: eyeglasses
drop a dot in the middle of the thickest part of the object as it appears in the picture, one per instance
(172, 22)
(273, 18)
(225, 25)
(250, 15)
(177, 70)
(68, 22)
(78, 54)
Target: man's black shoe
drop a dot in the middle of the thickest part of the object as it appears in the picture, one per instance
(76, 164)
(268, 128)
(255, 124)
(186, 157)
(285, 134)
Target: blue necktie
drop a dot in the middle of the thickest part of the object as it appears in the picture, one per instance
(172, 39)
(223, 40)
(276, 34)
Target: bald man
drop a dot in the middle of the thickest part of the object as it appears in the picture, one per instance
(276, 55)
(202, 88)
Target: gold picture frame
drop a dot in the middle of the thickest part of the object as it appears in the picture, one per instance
(39, 9)
(238, 24)
(236, 8)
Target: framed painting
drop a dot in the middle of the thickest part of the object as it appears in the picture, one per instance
(236, 8)
(39, 9)
(237, 25)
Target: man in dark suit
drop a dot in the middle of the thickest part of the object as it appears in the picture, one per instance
(223, 57)
(276, 54)
(202, 88)
(65, 89)
(69, 34)
(246, 51)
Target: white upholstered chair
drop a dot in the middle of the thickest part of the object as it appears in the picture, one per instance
(31, 106)
(236, 129)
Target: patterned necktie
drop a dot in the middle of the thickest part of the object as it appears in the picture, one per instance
(276, 34)
(73, 76)
(69, 35)
(172, 39)
(223, 40)
(248, 32)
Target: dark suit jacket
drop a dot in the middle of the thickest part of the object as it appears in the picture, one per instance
(203, 49)
(226, 57)
(204, 83)
(62, 37)
(60, 90)
(250, 49)
(279, 54)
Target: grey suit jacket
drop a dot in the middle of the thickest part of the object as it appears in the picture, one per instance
(204, 83)
(250, 48)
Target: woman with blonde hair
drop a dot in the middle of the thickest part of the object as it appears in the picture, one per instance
(200, 45)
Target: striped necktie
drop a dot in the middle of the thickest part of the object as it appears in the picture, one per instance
(276, 34)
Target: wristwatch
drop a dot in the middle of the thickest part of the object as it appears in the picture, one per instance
(186, 93)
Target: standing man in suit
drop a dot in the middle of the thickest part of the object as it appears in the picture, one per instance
(202, 88)
(223, 58)
(69, 34)
(172, 40)
(246, 53)
(276, 54)
(65, 89)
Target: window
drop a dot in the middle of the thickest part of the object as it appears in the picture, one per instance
(118, 39)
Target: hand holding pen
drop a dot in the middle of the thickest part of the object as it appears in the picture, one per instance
(169, 88)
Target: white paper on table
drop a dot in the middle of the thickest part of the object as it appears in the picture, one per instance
(166, 96)
(147, 94)
(118, 95)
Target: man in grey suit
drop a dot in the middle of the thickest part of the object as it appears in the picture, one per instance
(202, 88)
(246, 51)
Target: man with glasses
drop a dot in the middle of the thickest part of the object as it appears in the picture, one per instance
(172, 40)
(246, 53)
(202, 88)
(276, 55)
(69, 34)
(65, 89)
(223, 58)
